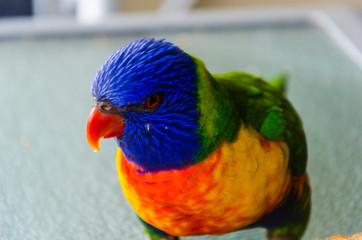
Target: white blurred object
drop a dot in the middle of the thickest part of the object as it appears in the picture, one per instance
(176, 6)
(66, 7)
(92, 11)
(45, 7)
(53, 8)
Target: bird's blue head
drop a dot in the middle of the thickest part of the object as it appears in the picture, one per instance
(150, 89)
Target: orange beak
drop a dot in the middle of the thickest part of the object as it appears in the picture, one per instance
(101, 125)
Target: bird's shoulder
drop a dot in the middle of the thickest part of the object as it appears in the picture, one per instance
(252, 96)
(264, 107)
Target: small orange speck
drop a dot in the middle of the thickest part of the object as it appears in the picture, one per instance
(24, 142)
(148, 126)
(165, 127)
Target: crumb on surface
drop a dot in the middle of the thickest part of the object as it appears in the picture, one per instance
(24, 142)
(357, 236)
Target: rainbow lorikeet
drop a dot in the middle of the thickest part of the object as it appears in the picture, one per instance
(200, 153)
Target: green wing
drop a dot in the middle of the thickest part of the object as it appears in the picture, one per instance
(265, 108)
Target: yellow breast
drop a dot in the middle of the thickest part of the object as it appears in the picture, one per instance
(234, 187)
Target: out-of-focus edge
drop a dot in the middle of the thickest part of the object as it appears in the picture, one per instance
(340, 22)
(344, 26)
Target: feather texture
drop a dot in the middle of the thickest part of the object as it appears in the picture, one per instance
(220, 152)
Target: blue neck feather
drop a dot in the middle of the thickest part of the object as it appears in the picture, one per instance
(166, 138)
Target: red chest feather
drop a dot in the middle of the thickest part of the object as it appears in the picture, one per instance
(233, 187)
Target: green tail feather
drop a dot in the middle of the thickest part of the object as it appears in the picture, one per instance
(153, 233)
(295, 227)
(279, 81)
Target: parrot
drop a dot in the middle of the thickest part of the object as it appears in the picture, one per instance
(201, 153)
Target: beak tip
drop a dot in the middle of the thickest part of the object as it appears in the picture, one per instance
(101, 125)
(96, 149)
(94, 145)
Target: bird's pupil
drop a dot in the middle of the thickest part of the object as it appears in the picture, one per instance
(153, 101)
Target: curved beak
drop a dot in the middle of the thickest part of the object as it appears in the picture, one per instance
(101, 125)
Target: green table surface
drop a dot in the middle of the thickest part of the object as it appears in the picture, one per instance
(53, 186)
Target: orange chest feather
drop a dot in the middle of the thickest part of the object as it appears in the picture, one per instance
(234, 187)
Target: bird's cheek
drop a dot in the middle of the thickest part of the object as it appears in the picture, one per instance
(101, 125)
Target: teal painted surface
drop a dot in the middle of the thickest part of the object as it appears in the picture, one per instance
(53, 186)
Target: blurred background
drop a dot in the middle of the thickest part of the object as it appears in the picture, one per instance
(53, 186)
(76, 7)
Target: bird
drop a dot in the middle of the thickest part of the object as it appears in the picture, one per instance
(201, 153)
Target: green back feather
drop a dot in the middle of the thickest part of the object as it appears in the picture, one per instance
(228, 99)
(279, 81)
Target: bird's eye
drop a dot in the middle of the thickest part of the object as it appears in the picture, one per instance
(105, 107)
(153, 101)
